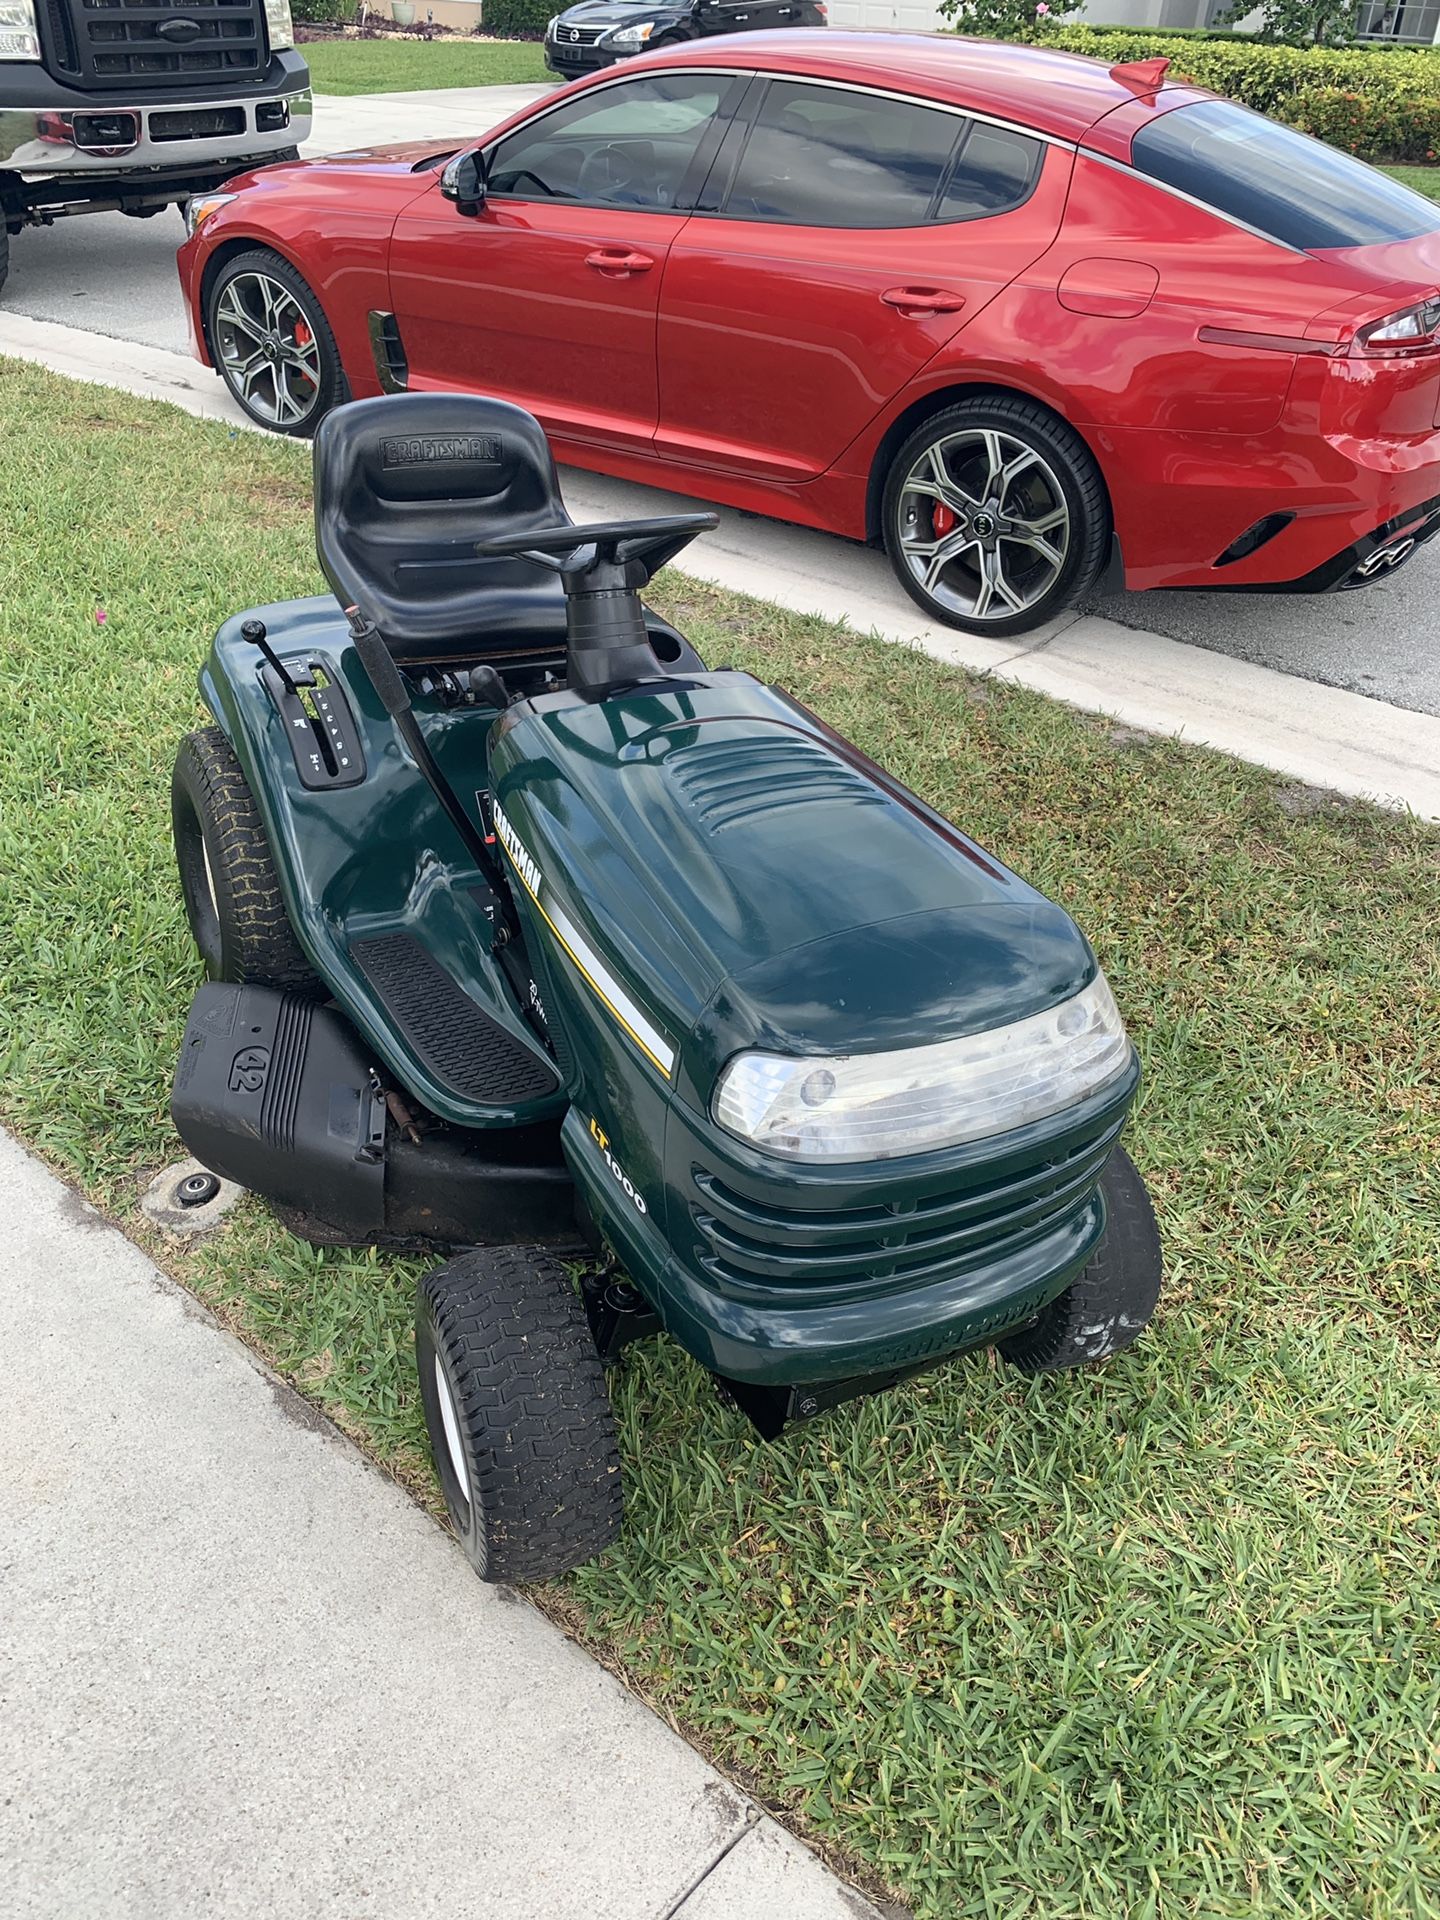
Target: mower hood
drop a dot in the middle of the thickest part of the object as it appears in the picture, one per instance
(745, 878)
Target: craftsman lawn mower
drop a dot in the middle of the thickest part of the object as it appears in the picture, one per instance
(534, 942)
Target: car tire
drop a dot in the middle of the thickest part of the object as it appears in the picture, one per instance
(515, 1407)
(994, 515)
(4, 257)
(272, 344)
(227, 873)
(1113, 1300)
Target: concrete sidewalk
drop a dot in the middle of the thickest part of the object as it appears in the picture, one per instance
(242, 1674)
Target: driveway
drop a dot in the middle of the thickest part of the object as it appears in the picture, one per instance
(117, 277)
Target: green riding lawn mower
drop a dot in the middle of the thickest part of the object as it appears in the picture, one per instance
(535, 943)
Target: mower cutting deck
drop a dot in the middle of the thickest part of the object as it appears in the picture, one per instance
(528, 935)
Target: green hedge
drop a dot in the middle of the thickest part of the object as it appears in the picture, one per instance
(324, 13)
(519, 19)
(1381, 105)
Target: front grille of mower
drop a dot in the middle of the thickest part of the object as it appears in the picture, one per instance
(139, 43)
(744, 1242)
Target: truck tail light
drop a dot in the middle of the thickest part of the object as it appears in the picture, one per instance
(1411, 330)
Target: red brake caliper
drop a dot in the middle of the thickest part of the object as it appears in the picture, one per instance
(304, 338)
(942, 520)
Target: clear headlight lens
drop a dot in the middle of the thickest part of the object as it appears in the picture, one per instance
(876, 1106)
(19, 33)
(632, 36)
(554, 21)
(199, 210)
(279, 25)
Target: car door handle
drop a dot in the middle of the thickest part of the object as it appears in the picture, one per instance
(618, 260)
(918, 300)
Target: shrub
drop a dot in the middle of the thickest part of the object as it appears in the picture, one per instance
(1301, 22)
(1379, 105)
(324, 13)
(518, 19)
(1007, 19)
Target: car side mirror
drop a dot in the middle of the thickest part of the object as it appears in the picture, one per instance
(463, 182)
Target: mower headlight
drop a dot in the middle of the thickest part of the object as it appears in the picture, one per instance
(279, 25)
(19, 30)
(876, 1106)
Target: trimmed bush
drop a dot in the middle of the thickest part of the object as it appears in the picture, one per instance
(1379, 105)
(518, 19)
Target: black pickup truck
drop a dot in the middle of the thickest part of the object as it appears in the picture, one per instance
(131, 106)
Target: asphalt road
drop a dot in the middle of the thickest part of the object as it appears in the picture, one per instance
(116, 276)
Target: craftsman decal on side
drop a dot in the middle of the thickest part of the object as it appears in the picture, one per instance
(648, 1037)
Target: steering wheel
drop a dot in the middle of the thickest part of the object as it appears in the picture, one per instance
(576, 552)
(613, 172)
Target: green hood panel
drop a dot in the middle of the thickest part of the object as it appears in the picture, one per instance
(756, 881)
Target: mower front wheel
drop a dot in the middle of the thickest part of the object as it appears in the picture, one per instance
(516, 1410)
(1112, 1302)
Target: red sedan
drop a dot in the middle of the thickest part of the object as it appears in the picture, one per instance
(1022, 318)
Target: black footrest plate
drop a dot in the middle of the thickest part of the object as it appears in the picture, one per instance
(453, 1034)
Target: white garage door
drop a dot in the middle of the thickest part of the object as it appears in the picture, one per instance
(910, 16)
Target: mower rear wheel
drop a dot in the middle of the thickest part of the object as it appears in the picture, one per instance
(227, 873)
(1110, 1305)
(515, 1406)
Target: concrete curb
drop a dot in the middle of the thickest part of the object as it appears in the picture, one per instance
(1321, 735)
(242, 1672)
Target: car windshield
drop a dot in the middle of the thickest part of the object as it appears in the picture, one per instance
(1280, 182)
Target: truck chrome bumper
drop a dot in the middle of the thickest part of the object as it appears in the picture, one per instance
(177, 136)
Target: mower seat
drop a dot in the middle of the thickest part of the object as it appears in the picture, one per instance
(404, 489)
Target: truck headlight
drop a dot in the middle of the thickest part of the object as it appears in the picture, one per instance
(630, 37)
(279, 25)
(876, 1106)
(19, 30)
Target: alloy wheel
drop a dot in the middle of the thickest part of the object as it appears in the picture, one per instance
(267, 349)
(984, 525)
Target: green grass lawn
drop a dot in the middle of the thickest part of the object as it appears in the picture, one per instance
(1424, 179)
(418, 66)
(1158, 1640)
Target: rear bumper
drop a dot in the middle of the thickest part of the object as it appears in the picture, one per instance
(1181, 500)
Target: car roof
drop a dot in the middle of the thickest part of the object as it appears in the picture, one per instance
(1057, 93)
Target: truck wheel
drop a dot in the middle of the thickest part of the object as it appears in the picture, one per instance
(995, 516)
(272, 343)
(515, 1406)
(227, 874)
(1110, 1305)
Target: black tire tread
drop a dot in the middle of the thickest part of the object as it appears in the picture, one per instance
(1013, 412)
(257, 943)
(4, 256)
(531, 1397)
(1109, 1305)
(332, 376)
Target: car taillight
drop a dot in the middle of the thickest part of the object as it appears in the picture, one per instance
(1412, 330)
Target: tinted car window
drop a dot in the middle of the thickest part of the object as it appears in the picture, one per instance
(994, 170)
(820, 157)
(627, 146)
(1288, 186)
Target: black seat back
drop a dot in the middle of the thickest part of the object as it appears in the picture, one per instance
(404, 489)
